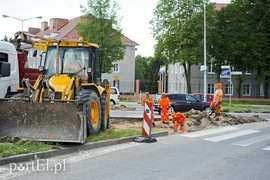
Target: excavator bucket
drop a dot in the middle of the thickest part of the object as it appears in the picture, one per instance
(54, 122)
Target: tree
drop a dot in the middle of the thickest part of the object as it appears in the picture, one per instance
(141, 66)
(152, 74)
(146, 70)
(178, 30)
(100, 24)
(241, 38)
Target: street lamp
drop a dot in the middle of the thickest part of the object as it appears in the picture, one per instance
(22, 20)
(204, 38)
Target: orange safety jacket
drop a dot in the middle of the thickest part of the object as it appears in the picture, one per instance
(179, 119)
(164, 102)
(147, 99)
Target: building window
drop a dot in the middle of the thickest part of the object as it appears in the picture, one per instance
(246, 90)
(228, 89)
(116, 67)
(248, 72)
(210, 68)
(261, 90)
(211, 89)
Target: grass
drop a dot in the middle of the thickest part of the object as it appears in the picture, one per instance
(249, 102)
(112, 134)
(126, 100)
(244, 106)
(24, 147)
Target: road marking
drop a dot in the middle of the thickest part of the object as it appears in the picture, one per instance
(254, 140)
(209, 132)
(267, 148)
(230, 136)
(98, 152)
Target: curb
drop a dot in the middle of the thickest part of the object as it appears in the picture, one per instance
(58, 152)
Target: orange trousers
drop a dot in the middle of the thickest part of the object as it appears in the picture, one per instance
(164, 115)
(153, 116)
(176, 125)
(215, 108)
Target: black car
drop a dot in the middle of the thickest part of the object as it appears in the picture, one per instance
(182, 103)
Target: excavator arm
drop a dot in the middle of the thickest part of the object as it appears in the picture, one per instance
(22, 37)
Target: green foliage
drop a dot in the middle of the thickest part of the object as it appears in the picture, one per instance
(112, 134)
(237, 35)
(24, 147)
(241, 38)
(178, 30)
(146, 70)
(245, 106)
(100, 25)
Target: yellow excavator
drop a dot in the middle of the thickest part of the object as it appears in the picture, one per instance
(68, 101)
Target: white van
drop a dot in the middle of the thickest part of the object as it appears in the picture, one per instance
(115, 96)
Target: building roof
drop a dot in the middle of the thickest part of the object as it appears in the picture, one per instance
(218, 6)
(65, 29)
(128, 41)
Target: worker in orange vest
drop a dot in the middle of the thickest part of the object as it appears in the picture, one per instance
(151, 99)
(215, 106)
(164, 103)
(178, 119)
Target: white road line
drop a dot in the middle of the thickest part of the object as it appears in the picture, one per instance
(208, 132)
(254, 140)
(230, 136)
(267, 148)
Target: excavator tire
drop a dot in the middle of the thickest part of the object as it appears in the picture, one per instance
(104, 112)
(90, 104)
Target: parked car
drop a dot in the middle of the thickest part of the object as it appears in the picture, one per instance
(115, 96)
(182, 103)
(209, 97)
(155, 104)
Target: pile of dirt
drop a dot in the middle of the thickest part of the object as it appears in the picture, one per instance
(196, 120)
(122, 107)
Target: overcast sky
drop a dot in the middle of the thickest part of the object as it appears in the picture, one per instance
(135, 23)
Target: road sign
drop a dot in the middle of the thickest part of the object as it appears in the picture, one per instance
(236, 73)
(225, 73)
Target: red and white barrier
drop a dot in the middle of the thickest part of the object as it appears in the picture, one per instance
(147, 123)
(147, 116)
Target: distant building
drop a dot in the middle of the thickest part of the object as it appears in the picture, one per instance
(123, 75)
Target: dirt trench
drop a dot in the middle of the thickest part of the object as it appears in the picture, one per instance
(196, 120)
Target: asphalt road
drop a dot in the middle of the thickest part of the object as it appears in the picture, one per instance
(225, 153)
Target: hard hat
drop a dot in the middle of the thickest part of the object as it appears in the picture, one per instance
(218, 85)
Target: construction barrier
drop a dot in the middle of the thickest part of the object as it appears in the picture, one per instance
(147, 123)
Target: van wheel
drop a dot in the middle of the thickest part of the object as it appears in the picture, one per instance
(17, 96)
(170, 110)
(112, 102)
